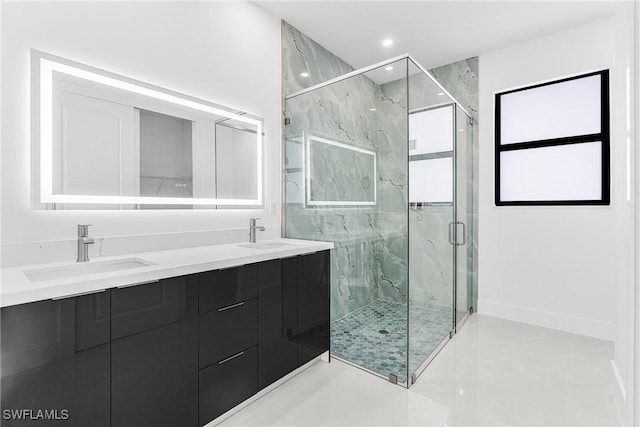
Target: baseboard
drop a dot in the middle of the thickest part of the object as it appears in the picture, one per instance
(576, 325)
(619, 392)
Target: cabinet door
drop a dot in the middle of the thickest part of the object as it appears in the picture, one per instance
(55, 362)
(277, 319)
(155, 354)
(313, 306)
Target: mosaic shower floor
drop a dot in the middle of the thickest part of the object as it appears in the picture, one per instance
(374, 337)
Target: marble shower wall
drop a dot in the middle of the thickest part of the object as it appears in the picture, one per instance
(393, 191)
(302, 54)
(431, 264)
(323, 114)
(370, 256)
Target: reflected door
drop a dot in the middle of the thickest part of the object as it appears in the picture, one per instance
(92, 138)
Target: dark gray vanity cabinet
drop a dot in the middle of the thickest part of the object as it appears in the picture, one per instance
(177, 352)
(228, 336)
(56, 362)
(277, 319)
(154, 354)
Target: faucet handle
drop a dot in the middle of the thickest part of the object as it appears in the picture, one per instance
(83, 229)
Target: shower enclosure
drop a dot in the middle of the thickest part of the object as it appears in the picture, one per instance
(378, 161)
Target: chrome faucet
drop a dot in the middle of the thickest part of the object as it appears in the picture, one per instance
(83, 241)
(252, 229)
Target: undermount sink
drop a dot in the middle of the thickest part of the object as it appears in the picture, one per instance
(265, 245)
(82, 269)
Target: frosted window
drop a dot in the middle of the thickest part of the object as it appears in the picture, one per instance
(431, 131)
(558, 110)
(431, 180)
(562, 134)
(560, 173)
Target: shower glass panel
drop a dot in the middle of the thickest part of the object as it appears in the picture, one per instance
(346, 181)
(464, 215)
(371, 164)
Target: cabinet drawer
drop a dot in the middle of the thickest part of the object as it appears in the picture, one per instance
(225, 384)
(221, 288)
(145, 307)
(228, 331)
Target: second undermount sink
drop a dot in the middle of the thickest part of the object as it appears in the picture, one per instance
(265, 245)
(82, 269)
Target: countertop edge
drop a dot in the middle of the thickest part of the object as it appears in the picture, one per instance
(67, 288)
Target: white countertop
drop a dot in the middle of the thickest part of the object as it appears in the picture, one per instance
(17, 288)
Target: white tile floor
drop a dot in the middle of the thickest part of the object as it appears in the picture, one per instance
(494, 372)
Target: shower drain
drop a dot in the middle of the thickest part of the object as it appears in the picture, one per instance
(383, 331)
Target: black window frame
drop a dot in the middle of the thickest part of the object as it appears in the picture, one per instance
(603, 136)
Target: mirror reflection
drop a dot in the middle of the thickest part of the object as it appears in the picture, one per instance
(109, 140)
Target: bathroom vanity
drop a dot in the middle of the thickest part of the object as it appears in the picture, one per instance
(177, 341)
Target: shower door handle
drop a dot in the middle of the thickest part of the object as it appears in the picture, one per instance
(452, 225)
(464, 234)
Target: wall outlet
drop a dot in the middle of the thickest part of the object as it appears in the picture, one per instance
(274, 208)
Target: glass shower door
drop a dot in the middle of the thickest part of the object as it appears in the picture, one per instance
(431, 149)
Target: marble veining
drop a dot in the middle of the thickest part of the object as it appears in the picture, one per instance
(305, 55)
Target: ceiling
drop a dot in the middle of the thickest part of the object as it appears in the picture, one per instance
(435, 33)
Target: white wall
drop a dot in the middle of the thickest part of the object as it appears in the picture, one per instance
(624, 357)
(548, 266)
(635, 379)
(225, 52)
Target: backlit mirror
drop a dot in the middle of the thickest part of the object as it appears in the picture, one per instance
(107, 140)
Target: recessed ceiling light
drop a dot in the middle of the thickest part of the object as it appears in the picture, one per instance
(440, 93)
(372, 109)
(304, 74)
(389, 68)
(387, 42)
(461, 130)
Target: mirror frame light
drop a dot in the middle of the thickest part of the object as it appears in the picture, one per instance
(49, 64)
